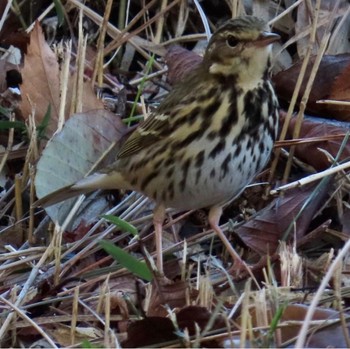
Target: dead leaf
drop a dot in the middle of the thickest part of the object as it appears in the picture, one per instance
(331, 82)
(71, 153)
(12, 33)
(189, 316)
(78, 233)
(293, 316)
(180, 61)
(321, 337)
(153, 330)
(263, 232)
(172, 294)
(304, 17)
(41, 84)
(310, 153)
(149, 331)
(341, 87)
(62, 334)
(89, 98)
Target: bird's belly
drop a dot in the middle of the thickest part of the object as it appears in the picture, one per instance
(219, 182)
(204, 181)
(206, 192)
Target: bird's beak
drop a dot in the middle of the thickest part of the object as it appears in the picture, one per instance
(266, 38)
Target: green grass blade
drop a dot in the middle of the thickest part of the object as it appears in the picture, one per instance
(6, 125)
(127, 261)
(59, 11)
(121, 224)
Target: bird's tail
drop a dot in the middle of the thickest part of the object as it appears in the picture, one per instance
(59, 195)
(83, 186)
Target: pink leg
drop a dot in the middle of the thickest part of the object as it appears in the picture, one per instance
(158, 219)
(214, 217)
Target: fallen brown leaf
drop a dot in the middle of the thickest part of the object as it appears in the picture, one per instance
(321, 337)
(180, 61)
(263, 232)
(331, 82)
(309, 152)
(172, 294)
(154, 329)
(41, 84)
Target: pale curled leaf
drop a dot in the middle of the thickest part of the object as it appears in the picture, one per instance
(305, 16)
(71, 153)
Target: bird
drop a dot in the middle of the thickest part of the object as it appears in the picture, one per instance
(209, 137)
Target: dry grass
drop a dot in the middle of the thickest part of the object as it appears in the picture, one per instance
(63, 289)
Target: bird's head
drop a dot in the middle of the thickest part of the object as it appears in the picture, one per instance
(241, 48)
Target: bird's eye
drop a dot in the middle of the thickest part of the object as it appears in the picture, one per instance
(231, 41)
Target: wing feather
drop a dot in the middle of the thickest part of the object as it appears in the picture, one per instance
(160, 123)
(148, 132)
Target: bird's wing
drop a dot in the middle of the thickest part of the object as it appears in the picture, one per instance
(153, 129)
(162, 122)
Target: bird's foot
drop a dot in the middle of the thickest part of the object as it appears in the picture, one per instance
(239, 268)
(161, 279)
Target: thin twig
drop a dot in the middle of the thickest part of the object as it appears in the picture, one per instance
(300, 343)
(28, 319)
(311, 178)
